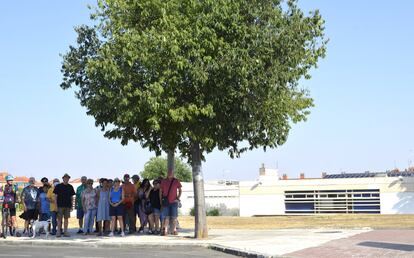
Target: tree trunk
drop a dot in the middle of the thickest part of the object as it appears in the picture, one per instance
(200, 230)
(170, 161)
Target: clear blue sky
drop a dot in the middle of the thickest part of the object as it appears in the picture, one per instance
(363, 91)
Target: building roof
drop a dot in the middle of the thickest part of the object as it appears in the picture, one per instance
(78, 180)
(398, 174)
(369, 174)
(350, 175)
(16, 178)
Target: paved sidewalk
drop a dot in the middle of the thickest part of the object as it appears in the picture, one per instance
(255, 243)
(377, 243)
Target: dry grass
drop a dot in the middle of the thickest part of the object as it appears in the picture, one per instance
(318, 221)
(285, 222)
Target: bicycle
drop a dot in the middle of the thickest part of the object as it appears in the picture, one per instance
(6, 223)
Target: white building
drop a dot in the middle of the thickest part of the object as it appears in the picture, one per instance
(223, 195)
(270, 194)
(381, 193)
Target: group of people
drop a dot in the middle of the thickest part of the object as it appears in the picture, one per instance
(108, 209)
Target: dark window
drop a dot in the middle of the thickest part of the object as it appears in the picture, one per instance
(299, 206)
(299, 196)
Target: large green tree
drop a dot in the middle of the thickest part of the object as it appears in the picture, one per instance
(157, 167)
(195, 75)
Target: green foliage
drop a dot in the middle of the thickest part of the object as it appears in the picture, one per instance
(210, 212)
(213, 212)
(169, 74)
(157, 167)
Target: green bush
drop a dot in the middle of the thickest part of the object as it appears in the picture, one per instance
(210, 212)
(213, 212)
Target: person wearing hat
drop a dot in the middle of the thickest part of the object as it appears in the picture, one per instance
(30, 200)
(53, 208)
(78, 203)
(130, 193)
(64, 193)
(45, 182)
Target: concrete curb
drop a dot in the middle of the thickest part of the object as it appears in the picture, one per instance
(238, 252)
(68, 243)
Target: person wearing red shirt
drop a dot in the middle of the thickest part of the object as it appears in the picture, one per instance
(170, 190)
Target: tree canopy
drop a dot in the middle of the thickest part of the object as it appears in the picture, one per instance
(196, 75)
(214, 72)
(157, 167)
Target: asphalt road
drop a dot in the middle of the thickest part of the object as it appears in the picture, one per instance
(83, 252)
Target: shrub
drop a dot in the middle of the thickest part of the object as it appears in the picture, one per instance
(210, 212)
(192, 212)
(213, 212)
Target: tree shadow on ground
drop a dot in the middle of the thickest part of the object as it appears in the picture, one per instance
(393, 246)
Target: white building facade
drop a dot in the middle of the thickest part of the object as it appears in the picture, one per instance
(371, 193)
(221, 195)
(270, 194)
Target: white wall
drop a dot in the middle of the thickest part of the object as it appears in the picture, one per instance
(224, 197)
(397, 203)
(251, 205)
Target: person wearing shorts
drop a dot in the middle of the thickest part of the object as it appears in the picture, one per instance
(171, 189)
(10, 194)
(64, 193)
(30, 200)
(78, 202)
(154, 217)
(116, 206)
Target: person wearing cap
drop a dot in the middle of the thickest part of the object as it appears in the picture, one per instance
(44, 201)
(64, 193)
(53, 208)
(30, 200)
(170, 190)
(78, 202)
(130, 193)
(10, 194)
